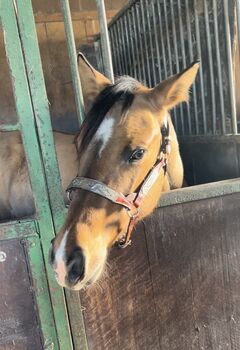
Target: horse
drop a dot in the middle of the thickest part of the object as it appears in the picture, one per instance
(128, 154)
(16, 199)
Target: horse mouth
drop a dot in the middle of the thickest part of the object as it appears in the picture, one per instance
(87, 282)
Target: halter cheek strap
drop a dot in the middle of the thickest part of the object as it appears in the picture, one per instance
(132, 201)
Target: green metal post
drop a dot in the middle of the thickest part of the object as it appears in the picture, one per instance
(104, 38)
(72, 53)
(41, 108)
(42, 116)
(61, 339)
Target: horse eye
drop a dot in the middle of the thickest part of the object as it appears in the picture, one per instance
(136, 155)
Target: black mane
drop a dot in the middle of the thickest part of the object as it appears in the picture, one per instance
(121, 91)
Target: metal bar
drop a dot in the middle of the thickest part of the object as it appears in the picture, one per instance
(167, 37)
(72, 54)
(175, 119)
(116, 48)
(135, 30)
(154, 82)
(198, 40)
(162, 40)
(122, 11)
(177, 59)
(191, 58)
(127, 44)
(230, 68)
(9, 127)
(170, 58)
(211, 71)
(107, 57)
(111, 39)
(18, 229)
(156, 43)
(122, 50)
(120, 53)
(134, 72)
(238, 20)
(184, 62)
(124, 56)
(145, 44)
(220, 82)
(29, 137)
(141, 45)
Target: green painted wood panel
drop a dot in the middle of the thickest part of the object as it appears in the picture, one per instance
(42, 116)
(60, 337)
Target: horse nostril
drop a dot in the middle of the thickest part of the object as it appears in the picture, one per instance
(76, 266)
(51, 255)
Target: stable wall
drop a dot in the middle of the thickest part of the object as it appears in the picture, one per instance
(56, 67)
(210, 158)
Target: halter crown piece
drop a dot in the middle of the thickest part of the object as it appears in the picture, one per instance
(132, 201)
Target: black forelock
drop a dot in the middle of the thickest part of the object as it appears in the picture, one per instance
(122, 91)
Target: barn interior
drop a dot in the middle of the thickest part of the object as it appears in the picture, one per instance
(208, 134)
(177, 286)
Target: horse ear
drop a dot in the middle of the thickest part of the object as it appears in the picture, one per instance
(92, 81)
(175, 90)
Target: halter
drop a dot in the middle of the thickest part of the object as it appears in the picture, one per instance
(132, 201)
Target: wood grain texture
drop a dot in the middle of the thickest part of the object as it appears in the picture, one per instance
(177, 287)
(19, 329)
(120, 313)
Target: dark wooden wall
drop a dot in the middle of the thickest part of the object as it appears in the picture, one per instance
(19, 327)
(177, 287)
(210, 158)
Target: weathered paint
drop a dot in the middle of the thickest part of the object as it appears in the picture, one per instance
(9, 127)
(60, 335)
(42, 117)
(18, 229)
(73, 59)
(41, 108)
(40, 285)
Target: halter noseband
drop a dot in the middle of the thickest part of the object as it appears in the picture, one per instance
(132, 201)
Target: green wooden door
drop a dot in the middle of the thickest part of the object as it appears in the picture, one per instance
(59, 312)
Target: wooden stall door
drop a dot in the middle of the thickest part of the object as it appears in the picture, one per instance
(177, 287)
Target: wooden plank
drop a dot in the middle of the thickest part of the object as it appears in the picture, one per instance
(120, 312)
(193, 252)
(169, 252)
(231, 256)
(19, 328)
(189, 299)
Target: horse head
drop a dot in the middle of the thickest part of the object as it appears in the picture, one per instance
(118, 144)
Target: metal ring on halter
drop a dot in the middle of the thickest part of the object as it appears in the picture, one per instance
(133, 215)
(123, 244)
(69, 195)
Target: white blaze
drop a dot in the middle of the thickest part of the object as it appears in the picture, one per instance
(104, 133)
(60, 267)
